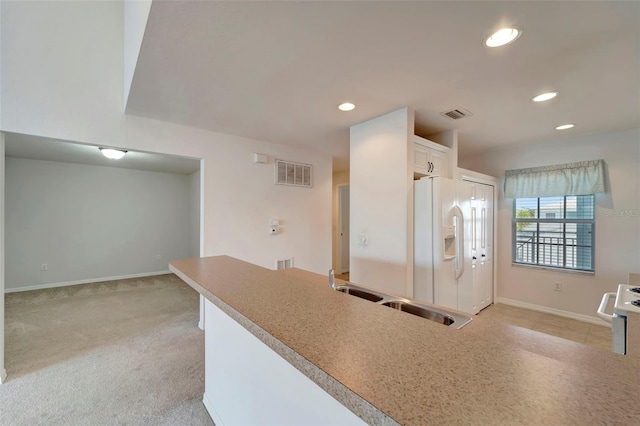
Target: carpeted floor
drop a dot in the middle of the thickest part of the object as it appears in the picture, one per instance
(114, 353)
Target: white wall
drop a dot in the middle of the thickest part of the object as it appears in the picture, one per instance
(89, 222)
(240, 196)
(617, 237)
(381, 190)
(66, 74)
(67, 83)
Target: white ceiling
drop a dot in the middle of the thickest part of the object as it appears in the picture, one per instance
(276, 70)
(47, 149)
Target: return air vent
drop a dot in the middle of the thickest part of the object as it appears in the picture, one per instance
(295, 174)
(457, 113)
(284, 263)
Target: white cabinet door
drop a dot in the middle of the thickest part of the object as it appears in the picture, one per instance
(486, 245)
(439, 163)
(483, 242)
(430, 158)
(421, 162)
(476, 200)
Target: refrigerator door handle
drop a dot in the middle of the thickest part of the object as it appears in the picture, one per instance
(459, 270)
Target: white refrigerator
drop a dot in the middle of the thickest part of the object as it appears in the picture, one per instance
(442, 268)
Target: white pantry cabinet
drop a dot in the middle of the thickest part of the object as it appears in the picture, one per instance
(430, 158)
(475, 289)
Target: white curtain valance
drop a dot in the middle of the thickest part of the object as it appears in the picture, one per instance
(583, 178)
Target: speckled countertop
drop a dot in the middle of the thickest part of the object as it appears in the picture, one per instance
(390, 367)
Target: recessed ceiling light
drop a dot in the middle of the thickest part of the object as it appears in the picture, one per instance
(565, 126)
(112, 154)
(347, 106)
(544, 96)
(502, 37)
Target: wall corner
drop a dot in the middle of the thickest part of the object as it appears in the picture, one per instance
(3, 372)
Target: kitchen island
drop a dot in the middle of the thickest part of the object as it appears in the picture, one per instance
(390, 367)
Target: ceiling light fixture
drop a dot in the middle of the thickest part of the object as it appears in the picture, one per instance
(544, 96)
(112, 154)
(503, 36)
(347, 106)
(565, 126)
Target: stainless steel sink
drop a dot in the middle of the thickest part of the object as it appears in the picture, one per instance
(424, 312)
(360, 292)
(410, 306)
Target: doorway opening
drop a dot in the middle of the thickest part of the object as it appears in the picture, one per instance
(81, 218)
(343, 231)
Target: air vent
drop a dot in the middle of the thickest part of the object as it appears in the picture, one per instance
(457, 113)
(284, 263)
(294, 174)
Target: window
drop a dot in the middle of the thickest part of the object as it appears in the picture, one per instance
(555, 232)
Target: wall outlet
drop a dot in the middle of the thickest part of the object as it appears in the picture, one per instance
(158, 257)
(557, 286)
(44, 267)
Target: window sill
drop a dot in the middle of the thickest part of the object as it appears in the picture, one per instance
(551, 268)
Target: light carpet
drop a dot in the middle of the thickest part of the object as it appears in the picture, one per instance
(125, 352)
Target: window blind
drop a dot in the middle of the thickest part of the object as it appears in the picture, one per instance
(582, 178)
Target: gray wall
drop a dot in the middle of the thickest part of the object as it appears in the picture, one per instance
(88, 222)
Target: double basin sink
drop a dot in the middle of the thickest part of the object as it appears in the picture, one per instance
(433, 313)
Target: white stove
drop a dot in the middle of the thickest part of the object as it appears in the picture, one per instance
(627, 300)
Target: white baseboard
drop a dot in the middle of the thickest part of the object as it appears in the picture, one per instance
(87, 281)
(566, 314)
(212, 412)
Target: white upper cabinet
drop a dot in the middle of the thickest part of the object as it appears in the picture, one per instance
(430, 158)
